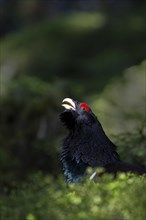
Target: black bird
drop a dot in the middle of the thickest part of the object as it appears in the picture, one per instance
(87, 145)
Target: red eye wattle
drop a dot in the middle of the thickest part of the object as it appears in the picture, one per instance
(85, 107)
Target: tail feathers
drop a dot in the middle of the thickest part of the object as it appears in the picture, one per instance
(114, 168)
(124, 167)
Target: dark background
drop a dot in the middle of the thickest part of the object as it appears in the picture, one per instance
(93, 51)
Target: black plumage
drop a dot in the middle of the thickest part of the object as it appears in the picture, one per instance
(86, 144)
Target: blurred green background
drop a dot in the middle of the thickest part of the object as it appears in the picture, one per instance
(92, 51)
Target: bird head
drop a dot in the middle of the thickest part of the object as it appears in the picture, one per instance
(76, 114)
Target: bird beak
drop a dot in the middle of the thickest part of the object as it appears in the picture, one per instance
(68, 103)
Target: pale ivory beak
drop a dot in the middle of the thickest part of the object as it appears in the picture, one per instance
(68, 103)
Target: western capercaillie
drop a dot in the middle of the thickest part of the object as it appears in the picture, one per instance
(87, 145)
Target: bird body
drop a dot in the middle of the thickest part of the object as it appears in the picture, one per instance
(86, 144)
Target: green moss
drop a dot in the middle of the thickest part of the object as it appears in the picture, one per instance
(45, 198)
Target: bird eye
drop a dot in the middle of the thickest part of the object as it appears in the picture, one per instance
(85, 107)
